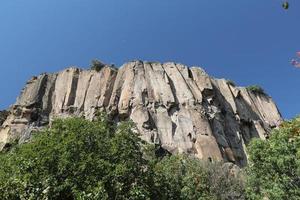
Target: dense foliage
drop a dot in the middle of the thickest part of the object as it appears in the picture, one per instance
(76, 159)
(79, 159)
(188, 179)
(274, 168)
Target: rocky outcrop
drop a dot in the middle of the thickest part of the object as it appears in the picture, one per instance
(182, 109)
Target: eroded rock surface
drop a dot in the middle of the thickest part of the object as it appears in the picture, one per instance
(182, 109)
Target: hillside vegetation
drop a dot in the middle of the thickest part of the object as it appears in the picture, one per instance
(274, 168)
(79, 159)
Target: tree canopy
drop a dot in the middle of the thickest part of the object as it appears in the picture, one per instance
(80, 159)
(274, 168)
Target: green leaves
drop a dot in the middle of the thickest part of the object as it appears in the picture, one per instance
(79, 159)
(75, 158)
(183, 177)
(274, 169)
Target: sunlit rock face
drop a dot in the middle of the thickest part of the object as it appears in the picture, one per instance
(182, 109)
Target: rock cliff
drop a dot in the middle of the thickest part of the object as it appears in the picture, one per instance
(182, 109)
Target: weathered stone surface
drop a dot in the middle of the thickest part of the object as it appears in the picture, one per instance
(65, 90)
(158, 87)
(202, 80)
(33, 92)
(178, 84)
(182, 109)
(99, 90)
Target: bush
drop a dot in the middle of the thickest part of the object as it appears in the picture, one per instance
(76, 159)
(230, 82)
(79, 159)
(182, 177)
(97, 65)
(274, 168)
(256, 89)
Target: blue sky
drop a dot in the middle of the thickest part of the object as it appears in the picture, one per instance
(250, 41)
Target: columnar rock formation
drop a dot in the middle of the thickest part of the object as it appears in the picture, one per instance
(182, 109)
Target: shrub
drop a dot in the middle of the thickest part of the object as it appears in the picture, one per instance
(76, 159)
(186, 178)
(97, 65)
(230, 82)
(80, 159)
(274, 167)
(256, 89)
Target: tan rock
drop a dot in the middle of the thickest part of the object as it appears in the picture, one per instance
(178, 84)
(182, 109)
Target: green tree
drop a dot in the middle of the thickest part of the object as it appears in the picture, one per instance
(186, 178)
(274, 168)
(80, 159)
(76, 159)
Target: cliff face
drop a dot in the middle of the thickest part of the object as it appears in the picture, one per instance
(182, 109)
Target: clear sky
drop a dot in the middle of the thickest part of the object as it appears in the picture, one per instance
(249, 41)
